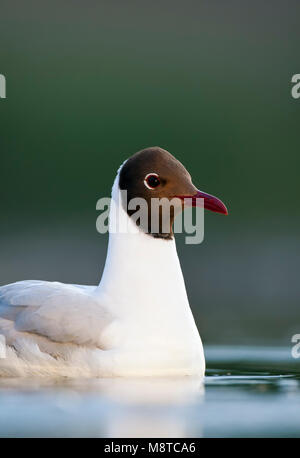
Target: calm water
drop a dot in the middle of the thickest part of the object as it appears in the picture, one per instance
(248, 392)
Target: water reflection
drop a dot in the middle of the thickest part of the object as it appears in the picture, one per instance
(151, 407)
(240, 399)
(147, 407)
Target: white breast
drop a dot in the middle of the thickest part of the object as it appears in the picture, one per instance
(144, 285)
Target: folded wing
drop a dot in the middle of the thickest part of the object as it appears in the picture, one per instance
(61, 312)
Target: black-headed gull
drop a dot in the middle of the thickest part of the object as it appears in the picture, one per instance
(138, 321)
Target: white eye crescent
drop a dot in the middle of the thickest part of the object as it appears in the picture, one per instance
(151, 180)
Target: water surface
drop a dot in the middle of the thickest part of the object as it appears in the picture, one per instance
(247, 392)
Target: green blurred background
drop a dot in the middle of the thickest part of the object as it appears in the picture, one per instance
(89, 83)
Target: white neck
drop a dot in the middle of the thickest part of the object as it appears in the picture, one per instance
(139, 268)
(143, 287)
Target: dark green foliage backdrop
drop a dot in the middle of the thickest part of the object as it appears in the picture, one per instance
(89, 83)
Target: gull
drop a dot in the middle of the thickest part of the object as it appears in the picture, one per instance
(137, 322)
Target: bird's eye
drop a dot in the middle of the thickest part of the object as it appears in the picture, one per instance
(151, 180)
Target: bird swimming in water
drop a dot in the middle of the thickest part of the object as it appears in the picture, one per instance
(137, 321)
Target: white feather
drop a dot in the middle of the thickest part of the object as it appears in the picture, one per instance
(64, 313)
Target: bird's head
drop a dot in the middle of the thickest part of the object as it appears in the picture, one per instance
(154, 173)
